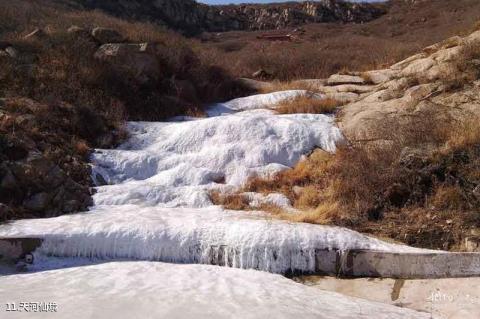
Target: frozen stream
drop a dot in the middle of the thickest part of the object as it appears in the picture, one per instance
(155, 206)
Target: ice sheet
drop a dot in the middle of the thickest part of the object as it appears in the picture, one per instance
(156, 290)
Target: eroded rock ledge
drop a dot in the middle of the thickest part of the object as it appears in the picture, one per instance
(192, 17)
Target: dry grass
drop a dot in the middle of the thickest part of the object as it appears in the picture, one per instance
(65, 69)
(329, 48)
(422, 165)
(81, 148)
(230, 201)
(464, 136)
(448, 197)
(307, 104)
(275, 86)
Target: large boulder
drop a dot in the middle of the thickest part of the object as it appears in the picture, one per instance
(37, 202)
(339, 79)
(9, 52)
(79, 32)
(6, 212)
(106, 35)
(137, 60)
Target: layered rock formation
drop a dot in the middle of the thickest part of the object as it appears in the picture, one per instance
(192, 17)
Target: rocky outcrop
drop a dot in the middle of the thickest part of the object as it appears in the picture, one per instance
(192, 17)
(43, 162)
(438, 77)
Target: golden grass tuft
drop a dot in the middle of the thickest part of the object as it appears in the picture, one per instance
(465, 135)
(448, 198)
(230, 201)
(275, 86)
(82, 148)
(307, 104)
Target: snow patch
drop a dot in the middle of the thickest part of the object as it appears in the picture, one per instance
(260, 101)
(157, 290)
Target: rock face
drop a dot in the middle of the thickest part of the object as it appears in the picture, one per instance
(192, 17)
(40, 174)
(413, 86)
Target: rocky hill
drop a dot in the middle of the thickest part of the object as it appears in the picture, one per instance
(192, 17)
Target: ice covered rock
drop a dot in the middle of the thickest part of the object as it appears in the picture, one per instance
(193, 235)
(338, 79)
(172, 164)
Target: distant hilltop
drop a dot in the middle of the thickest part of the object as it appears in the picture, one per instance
(191, 17)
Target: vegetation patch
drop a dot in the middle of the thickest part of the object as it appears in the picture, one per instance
(423, 172)
(305, 104)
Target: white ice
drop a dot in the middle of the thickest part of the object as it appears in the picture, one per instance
(260, 101)
(193, 235)
(156, 204)
(157, 290)
(174, 164)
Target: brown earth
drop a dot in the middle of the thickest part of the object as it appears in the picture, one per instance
(327, 48)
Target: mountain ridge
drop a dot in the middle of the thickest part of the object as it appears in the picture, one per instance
(191, 17)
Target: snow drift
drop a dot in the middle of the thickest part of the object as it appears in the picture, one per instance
(157, 290)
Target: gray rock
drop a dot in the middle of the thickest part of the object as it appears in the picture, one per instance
(105, 35)
(5, 212)
(9, 52)
(37, 202)
(71, 206)
(9, 181)
(338, 79)
(261, 74)
(55, 177)
(192, 17)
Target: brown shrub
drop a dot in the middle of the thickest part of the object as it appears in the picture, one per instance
(62, 66)
(448, 197)
(230, 201)
(421, 164)
(81, 147)
(307, 104)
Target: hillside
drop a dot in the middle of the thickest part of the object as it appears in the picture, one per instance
(409, 165)
(320, 49)
(191, 17)
(69, 80)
